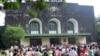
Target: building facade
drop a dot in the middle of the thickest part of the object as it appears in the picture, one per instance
(57, 24)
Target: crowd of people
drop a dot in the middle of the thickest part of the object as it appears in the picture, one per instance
(55, 50)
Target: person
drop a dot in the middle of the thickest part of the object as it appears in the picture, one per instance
(85, 51)
(7, 52)
(63, 51)
(37, 53)
(97, 53)
(11, 53)
(57, 52)
(0, 53)
(91, 51)
(45, 52)
(79, 50)
(29, 52)
(50, 52)
(73, 52)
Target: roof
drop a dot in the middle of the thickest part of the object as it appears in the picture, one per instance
(63, 35)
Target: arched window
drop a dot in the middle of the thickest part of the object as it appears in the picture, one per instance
(70, 27)
(34, 27)
(52, 27)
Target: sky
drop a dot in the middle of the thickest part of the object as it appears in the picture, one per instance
(95, 3)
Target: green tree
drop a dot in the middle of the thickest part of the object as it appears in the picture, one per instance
(40, 5)
(37, 6)
(12, 35)
(32, 13)
(97, 23)
(11, 5)
(1, 32)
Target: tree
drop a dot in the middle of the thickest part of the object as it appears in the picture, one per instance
(1, 32)
(37, 6)
(40, 5)
(12, 35)
(11, 5)
(98, 29)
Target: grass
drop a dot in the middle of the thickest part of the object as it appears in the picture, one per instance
(3, 55)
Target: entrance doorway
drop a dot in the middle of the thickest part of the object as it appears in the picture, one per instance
(35, 41)
(72, 40)
(55, 41)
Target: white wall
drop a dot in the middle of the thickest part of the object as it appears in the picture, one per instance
(62, 40)
(45, 41)
(25, 41)
(82, 39)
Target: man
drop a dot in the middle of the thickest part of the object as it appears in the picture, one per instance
(97, 53)
(73, 52)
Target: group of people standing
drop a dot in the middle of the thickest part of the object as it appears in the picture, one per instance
(55, 50)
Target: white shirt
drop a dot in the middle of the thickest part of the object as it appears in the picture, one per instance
(72, 53)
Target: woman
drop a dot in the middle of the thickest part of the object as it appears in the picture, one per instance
(91, 51)
(50, 52)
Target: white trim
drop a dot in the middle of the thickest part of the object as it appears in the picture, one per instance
(34, 32)
(74, 21)
(52, 32)
(58, 24)
(39, 21)
(70, 31)
(11, 0)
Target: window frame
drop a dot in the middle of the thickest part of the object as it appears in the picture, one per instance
(35, 31)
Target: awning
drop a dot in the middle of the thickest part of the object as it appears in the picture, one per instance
(56, 35)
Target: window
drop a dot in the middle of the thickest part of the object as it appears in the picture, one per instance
(56, 0)
(11, 0)
(37, 24)
(70, 27)
(52, 27)
(34, 27)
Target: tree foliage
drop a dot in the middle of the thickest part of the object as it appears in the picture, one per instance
(37, 6)
(1, 32)
(11, 5)
(32, 13)
(98, 28)
(63, 3)
(12, 34)
(40, 5)
(2, 0)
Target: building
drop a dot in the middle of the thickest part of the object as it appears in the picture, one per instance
(58, 24)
